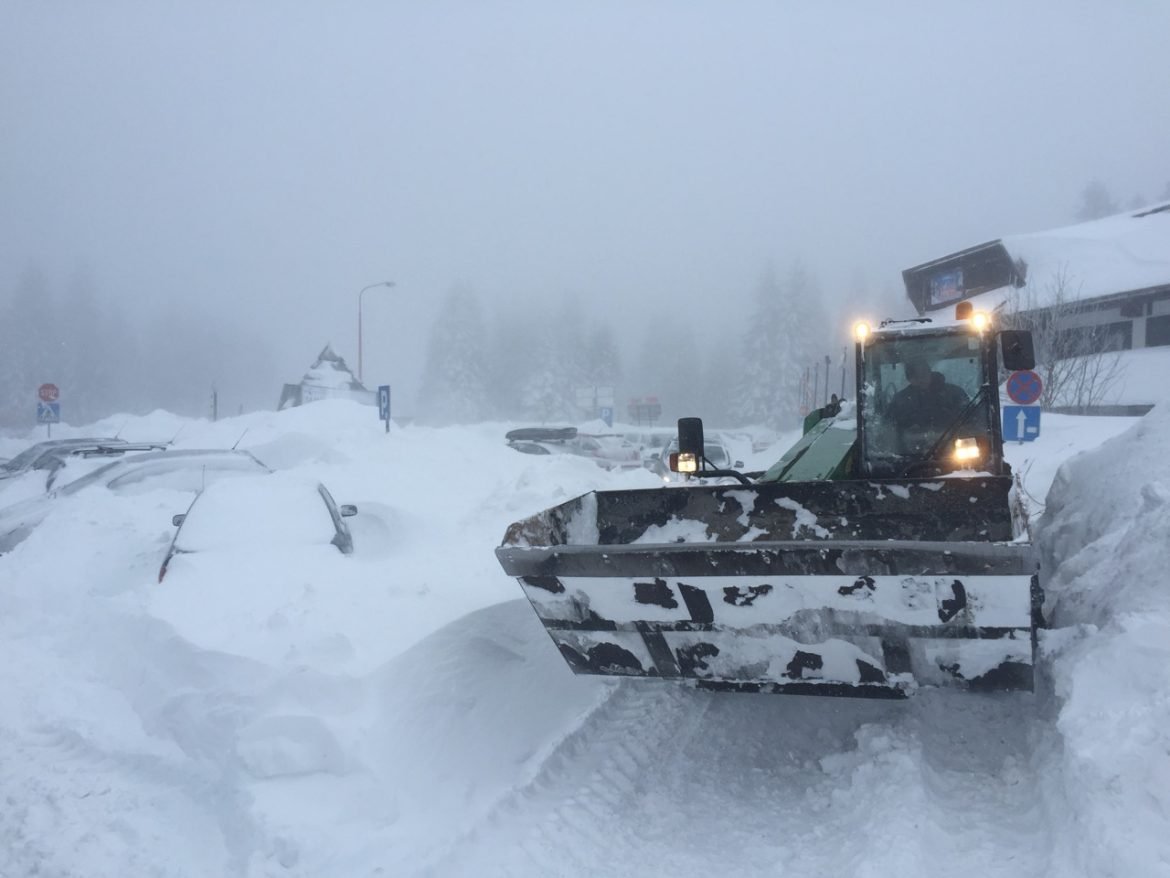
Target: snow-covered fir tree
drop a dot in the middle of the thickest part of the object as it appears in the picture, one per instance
(455, 379)
(785, 336)
(1096, 202)
(603, 362)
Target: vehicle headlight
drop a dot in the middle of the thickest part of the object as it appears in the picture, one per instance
(687, 462)
(967, 451)
(861, 330)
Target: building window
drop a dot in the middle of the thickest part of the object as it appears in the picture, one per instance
(1081, 340)
(1133, 309)
(1158, 331)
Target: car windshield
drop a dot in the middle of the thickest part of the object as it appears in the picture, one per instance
(915, 386)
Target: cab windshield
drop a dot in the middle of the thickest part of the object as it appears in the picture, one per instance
(916, 387)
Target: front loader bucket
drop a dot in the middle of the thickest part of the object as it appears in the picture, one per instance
(858, 588)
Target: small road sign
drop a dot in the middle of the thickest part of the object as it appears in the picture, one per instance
(384, 404)
(606, 412)
(48, 392)
(1024, 387)
(48, 412)
(1021, 423)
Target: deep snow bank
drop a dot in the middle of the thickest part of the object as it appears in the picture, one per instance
(1106, 537)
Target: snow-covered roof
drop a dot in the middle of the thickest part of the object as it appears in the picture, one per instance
(330, 371)
(1118, 254)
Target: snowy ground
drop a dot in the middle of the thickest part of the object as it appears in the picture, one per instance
(401, 712)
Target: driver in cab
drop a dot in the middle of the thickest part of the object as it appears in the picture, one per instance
(926, 405)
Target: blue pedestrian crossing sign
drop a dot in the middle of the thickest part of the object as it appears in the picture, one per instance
(1021, 423)
(48, 412)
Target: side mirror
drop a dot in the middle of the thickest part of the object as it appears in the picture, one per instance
(348, 510)
(1018, 351)
(177, 520)
(738, 464)
(690, 437)
(689, 458)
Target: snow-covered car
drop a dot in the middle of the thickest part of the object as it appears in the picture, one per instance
(610, 451)
(180, 470)
(273, 515)
(41, 454)
(263, 568)
(650, 443)
(713, 449)
(186, 469)
(79, 460)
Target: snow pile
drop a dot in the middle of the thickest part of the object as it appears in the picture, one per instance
(1106, 534)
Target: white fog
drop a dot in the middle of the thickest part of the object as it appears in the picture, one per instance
(192, 195)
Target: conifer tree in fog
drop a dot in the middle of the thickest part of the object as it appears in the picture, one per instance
(786, 334)
(87, 379)
(717, 381)
(513, 335)
(1096, 202)
(603, 362)
(83, 342)
(455, 380)
(30, 348)
(669, 367)
(553, 371)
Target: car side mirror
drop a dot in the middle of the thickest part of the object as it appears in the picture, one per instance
(738, 464)
(1018, 350)
(177, 520)
(348, 510)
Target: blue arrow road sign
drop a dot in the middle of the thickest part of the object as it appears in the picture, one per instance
(1021, 423)
(48, 412)
(384, 402)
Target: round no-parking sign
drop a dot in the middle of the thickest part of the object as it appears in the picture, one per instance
(1024, 387)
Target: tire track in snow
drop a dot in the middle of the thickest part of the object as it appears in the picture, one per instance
(591, 773)
(667, 779)
(952, 780)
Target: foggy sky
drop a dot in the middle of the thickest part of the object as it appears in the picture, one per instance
(262, 162)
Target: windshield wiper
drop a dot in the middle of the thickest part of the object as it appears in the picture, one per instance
(931, 456)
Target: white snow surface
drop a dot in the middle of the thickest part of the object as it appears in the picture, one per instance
(401, 712)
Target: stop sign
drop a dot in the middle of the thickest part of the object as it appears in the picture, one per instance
(48, 392)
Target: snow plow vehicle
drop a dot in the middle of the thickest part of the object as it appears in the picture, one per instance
(885, 551)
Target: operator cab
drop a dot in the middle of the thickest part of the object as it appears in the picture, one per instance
(928, 402)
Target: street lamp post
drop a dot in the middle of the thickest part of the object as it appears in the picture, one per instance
(383, 283)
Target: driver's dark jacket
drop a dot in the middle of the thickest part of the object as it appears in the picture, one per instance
(931, 408)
